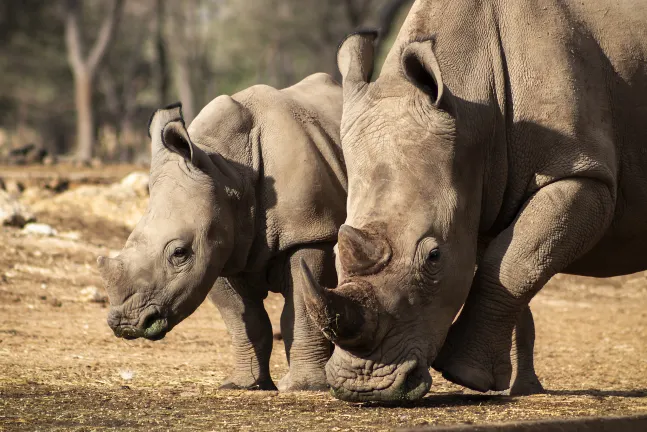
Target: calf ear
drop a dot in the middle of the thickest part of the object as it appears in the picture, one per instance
(356, 56)
(420, 67)
(168, 133)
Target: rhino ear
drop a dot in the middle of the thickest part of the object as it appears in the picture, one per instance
(168, 133)
(175, 138)
(356, 56)
(420, 67)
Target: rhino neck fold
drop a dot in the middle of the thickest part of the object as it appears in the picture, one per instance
(242, 204)
(478, 85)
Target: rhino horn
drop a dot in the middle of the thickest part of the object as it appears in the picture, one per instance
(359, 253)
(110, 270)
(340, 316)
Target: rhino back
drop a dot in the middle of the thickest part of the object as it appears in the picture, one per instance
(578, 79)
(304, 176)
(563, 81)
(286, 142)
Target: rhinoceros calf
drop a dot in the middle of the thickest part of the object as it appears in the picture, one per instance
(255, 184)
(511, 131)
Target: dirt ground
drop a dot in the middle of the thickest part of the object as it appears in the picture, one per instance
(62, 369)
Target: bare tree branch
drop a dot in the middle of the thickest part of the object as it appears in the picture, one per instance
(352, 13)
(105, 35)
(160, 49)
(84, 69)
(73, 38)
(388, 14)
(109, 90)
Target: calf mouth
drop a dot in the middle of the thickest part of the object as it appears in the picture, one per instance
(355, 380)
(151, 325)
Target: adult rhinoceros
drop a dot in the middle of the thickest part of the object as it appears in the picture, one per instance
(254, 184)
(507, 134)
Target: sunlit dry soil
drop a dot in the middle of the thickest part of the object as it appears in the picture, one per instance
(61, 367)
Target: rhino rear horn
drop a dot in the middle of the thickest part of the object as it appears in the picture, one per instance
(356, 56)
(359, 253)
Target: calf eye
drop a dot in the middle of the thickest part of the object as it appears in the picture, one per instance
(179, 256)
(433, 255)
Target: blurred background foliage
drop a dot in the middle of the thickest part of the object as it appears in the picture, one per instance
(105, 65)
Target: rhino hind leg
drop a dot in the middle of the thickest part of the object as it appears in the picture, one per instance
(306, 347)
(558, 224)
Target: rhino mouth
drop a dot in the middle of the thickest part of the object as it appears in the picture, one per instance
(151, 325)
(354, 379)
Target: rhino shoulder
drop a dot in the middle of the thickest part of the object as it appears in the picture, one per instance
(319, 79)
(316, 89)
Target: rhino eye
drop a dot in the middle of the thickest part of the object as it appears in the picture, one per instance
(433, 255)
(179, 256)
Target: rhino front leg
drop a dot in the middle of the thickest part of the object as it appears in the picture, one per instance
(306, 347)
(251, 334)
(556, 225)
(524, 379)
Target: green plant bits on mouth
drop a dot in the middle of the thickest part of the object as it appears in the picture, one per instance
(155, 328)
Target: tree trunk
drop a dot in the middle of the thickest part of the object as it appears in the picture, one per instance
(181, 57)
(84, 117)
(183, 84)
(84, 68)
(388, 16)
(162, 64)
(127, 140)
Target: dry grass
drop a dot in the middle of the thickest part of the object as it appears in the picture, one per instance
(61, 368)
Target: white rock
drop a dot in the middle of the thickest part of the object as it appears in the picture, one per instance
(137, 182)
(39, 229)
(93, 294)
(126, 374)
(12, 212)
(71, 235)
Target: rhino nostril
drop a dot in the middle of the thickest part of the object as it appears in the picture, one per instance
(149, 320)
(129, 333)
(113, 320)
(417, 384)
(411, 382)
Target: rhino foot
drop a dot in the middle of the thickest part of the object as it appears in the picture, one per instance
(474, 378)
(471, 359)
(519, 388)
(238, 384)
(304, 380)
(526, 385)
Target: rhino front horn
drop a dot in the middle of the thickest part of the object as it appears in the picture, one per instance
(338, 312)
(108, 268)
(316, 301)
(359, 253)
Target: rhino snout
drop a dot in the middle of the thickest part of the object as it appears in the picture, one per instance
(150, 324)
(357, 380)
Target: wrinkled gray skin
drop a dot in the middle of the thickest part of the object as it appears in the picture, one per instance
(256, 184)
(507, 134)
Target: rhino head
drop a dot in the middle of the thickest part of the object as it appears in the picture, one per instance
(180, 246)
(407, 250)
